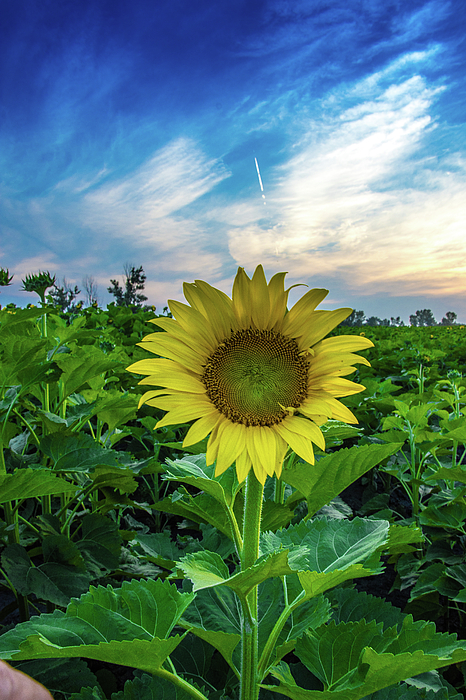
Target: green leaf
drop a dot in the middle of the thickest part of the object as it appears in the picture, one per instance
(81, 365)
(76, 452)
(448, 517)
(350, 605)
(115, 478)
(205, 569)
(224, 642)
(149, 688)
(407, 692)
(215, 616)
(129, 626)
(159, 548)
(201, 508)
(31, 483)
(450, 474)
(116, 408)
(89, 693)
(330, 544)
(59, 675)
(360, 658)
(100, 543)
(50, 581)
(401, 537)
(329, 476)
(332, 652)
(189, 472)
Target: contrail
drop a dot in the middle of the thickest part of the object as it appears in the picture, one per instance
(260, 179)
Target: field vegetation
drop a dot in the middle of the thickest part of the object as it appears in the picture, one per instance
(119, 575)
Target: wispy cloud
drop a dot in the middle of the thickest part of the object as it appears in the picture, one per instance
(171, 179)
(364, 205)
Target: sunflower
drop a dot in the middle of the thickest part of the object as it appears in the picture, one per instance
(256, 377)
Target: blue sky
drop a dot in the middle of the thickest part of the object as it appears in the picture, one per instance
(130, 130)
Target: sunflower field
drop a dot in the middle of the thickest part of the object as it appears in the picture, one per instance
(203, 505)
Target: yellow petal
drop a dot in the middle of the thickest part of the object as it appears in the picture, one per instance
(168, 373)
(150, 395)
(214, 305)
(341, 412)
(344, 343)
(241, 297)
(299, 314)
(193, 322)
(340, 387)
(259, 471)
(177, 401)
(298, 443)
(278, 299)
(183, 414)
(282, 449)
(321, 323)
(212, 444)
(175, 350)
(243, 466)
(316, 404)
(231, 437)
(176, 331)
(260, 295)
(306, 428)
(201, 428)
(266, 448)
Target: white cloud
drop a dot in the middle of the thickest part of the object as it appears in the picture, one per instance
(172, 178)
(362, 206)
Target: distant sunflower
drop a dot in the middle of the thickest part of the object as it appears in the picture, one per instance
(244, 368)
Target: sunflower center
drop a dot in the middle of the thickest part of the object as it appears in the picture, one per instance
(254, 375)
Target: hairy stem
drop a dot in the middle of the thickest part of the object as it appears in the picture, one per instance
(249, 688)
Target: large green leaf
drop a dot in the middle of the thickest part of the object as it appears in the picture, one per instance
(128, 625)
(116, 408)
(148, 688)
(202, 508)
(31, 483)
(350, 605)
(83, 364)
(59, 675)
(76, 452)
(89, 693)
(407, 692)
(53, 581)
(207, 569)
(401, 691)
(325, 552)
(195, 472)
(215, 616)
(330, 475)
(330, 544)
(355, 659)
(449, 473)
(100, 543)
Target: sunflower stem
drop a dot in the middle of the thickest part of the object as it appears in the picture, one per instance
(249, 689)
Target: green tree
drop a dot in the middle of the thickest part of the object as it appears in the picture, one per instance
(424, 317)
(356, 318)
(449, 319)
(64, 296)
(134, 282)
(91, 290)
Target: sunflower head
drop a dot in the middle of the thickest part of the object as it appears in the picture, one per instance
(257, 378)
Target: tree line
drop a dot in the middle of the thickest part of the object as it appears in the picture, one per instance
(422, 317)
(130, 293)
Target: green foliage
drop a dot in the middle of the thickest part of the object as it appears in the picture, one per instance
(134, 545)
